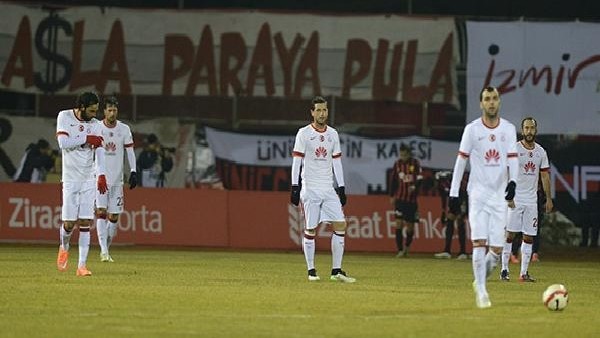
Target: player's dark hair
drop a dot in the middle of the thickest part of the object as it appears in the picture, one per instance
(528, 118)
(316, 100)
(488, 89)
(111, 100)
(86, 99)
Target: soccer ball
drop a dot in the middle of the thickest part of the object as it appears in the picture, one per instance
(556, 297)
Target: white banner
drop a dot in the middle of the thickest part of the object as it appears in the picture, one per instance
(222, 53)
(365, 160)
(550, 71)
(17, 133)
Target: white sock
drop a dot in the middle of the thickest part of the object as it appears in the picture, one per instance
(65, 238)
(337, 248)
(308, 246)
(102, 230)
(526, 249)
(506, 255)
(112, 233)
(491, 261)
(84, 246)
(479, 268)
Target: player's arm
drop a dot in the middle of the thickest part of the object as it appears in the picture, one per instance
(297, 157)
(513, 166)
(419, 175)
(460, 164)
(131, 160)
(545, 176)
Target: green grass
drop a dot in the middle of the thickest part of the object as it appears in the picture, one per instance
(177, 293)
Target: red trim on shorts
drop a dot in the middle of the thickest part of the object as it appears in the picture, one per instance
(463, 154)
(297, 154)
(58, 133)
(128, 145)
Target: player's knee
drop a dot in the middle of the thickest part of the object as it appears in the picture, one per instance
(310, 233)
(101, 213)
(527, 239)
(114, 218)
(84, 223)
(339, 228)
(69, 225)
(479, 243)
(509, 236)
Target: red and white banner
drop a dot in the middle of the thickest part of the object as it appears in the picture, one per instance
(215, 218)
(366, 161)
(221, 53)
(548, 70)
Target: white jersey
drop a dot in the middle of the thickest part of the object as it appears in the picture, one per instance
(488, 150)
(317, 149)
(531, 163)
(116, 139)
(78, 161)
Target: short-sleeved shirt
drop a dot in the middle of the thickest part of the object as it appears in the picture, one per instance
(116, 139)
(531, 163)
(488, 150)
(317, 149)
(78, 161)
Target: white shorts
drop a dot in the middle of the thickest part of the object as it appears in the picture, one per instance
(487, 220)
(321, 206)
(112, 200)
(78, 200)
(523, 218)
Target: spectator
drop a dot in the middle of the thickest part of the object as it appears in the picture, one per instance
(154, 162)
(36, 162)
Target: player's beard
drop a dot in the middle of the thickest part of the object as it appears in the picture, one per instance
(529, 138)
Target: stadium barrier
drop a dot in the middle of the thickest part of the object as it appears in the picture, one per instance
(216, 218)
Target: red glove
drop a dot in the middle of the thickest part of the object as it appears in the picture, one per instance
(94, 140)
(102, 187)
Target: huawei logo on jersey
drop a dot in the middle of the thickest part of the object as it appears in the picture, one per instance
(492, 155)
(110, 146)
(321, 152)
(529, 167)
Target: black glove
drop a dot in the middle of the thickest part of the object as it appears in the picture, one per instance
(341, 191)
(454, 205)
(510, 191)
(295, 196)
(132, 180)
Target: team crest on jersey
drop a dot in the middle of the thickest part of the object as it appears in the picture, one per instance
(322, 138)
(110, 146)
(492, 155)
(321, 152)
(111, 134)
(492, 137)
(529, 167)
(81, 128)
(531, 154)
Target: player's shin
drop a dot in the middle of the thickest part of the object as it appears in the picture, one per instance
(112, 233)
(491, 261)
(526, 249)
(102, 230)
(506, 251)
(337, 244)
(65, 237)
(84, 244)
(479, 270)
(308, 246)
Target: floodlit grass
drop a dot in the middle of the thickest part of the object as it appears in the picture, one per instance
(176, 293)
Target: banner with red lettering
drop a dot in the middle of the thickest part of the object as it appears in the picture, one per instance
(261, 162)
(222, 53)
(549, 70)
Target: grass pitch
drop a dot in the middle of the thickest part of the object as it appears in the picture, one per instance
(196, 293)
